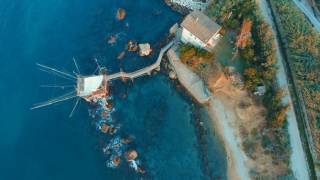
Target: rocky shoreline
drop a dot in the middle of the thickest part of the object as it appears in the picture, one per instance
(177, 7)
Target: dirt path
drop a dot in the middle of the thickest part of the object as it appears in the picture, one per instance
(298, 160)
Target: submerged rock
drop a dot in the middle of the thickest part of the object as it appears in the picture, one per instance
(109, 105)
(105, 114)
(112, 39)
(141, 170)
(121, 55)
(113, 130)
(121, 14)
(133, 164)
(145, 49)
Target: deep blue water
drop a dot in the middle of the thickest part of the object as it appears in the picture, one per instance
(45, 143)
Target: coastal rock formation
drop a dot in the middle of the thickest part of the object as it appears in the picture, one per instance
(121, 14)
(184, 6)
(145, 49)
(117, 161)
(113, 130)
(105, 128)
(190, 80)
(141, 170)
(109, 105)
(132, 46)
(132, 155)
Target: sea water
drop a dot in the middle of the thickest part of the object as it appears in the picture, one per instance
(45, 143)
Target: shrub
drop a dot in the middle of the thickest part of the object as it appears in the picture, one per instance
(188, 54)
(195, 57)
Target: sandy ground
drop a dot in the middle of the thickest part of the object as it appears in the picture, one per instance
(235, 115)
(298, 161)
(224, 118)
(237, 168)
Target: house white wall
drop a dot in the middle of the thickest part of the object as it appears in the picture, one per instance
(188, 37)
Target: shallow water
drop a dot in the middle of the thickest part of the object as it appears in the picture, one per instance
(45, 143)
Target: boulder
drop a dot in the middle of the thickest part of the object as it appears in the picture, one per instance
(132, 155)
(116, 161)
(145, 49)
(121, 14)
(105, 128)
(141, 170)
(172, 75)
(109, 105)
(132, 46)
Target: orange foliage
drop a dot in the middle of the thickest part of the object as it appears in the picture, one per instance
(245, 36)
(281, 117)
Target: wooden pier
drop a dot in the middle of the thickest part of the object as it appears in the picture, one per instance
(143, 71)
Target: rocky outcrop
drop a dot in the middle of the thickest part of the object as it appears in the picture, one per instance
(145, 49)
(185, 6)
(121, 14)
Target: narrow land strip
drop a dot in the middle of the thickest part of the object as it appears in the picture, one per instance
(298, 161)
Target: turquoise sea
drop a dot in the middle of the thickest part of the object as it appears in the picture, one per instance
(46, 143)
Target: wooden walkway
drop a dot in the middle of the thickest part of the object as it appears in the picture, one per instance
(143, 71)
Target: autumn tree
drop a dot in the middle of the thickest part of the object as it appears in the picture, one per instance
(244, 38)
(252, 78)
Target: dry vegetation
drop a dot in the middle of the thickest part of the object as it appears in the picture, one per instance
(303, 49)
